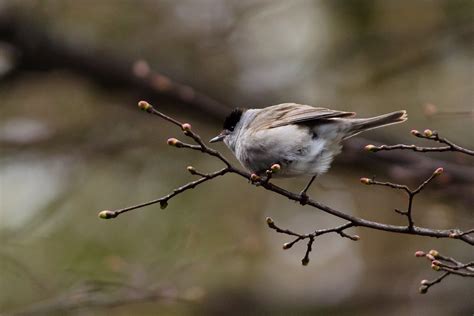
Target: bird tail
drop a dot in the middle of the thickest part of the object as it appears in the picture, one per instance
(363, 124)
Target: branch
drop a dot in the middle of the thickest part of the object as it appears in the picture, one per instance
(38, 49)
(106, 214)
(448, 265)
(351, 221)
(438, 262)
(356, 221)
(311, 237)
(411, 193)
(427, 134)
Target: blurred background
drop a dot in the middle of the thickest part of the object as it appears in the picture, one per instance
(73, 142)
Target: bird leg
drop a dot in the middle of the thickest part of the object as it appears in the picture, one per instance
(304, 197)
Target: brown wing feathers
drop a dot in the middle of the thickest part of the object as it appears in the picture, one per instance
(289, 113)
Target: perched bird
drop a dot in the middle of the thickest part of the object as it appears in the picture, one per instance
(302, 139)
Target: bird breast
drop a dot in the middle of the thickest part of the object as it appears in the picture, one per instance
(299, 149)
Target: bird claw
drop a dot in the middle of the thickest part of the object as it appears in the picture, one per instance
(303, 198)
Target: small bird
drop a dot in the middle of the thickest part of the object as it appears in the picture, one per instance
(302, 139)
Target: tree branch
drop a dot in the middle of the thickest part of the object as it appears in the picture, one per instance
(411, 193)
(427, 134)
(352, 221)
(311, 236)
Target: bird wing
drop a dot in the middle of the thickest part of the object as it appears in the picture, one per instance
(292, 113)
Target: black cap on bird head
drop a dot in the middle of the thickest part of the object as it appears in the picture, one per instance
(229, 124)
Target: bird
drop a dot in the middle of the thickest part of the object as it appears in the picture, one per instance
(303, 140)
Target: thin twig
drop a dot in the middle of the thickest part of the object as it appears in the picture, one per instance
(164, 200)
(410, 193)
(427, 134)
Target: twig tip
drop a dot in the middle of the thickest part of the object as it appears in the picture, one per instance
(305, 261)
(420, 254)
(186, 127)
(438, 171)
(275, 168)
(371, 148)
(174, 142)
(107, 214)
(163, 204)
(254, 177)
(287, 245)
(423, 289)
(269, 221)
(145, 106)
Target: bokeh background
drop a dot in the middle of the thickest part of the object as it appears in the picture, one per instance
(73, 142)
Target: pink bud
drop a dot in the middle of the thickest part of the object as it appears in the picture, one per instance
(186, 127)
(420, 253)
(254, 177)
(275, 168)
(172, 141)
(438, 171)
(145, 106)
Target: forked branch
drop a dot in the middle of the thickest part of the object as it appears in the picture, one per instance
(351, 221)
(447, 265)
(411, 193)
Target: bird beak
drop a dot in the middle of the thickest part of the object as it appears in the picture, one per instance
(219, 137)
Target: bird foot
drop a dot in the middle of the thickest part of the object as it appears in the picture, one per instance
(303, 198)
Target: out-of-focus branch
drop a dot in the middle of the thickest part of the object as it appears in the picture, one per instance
(36, 49)
(101, 294)
(438, 262)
